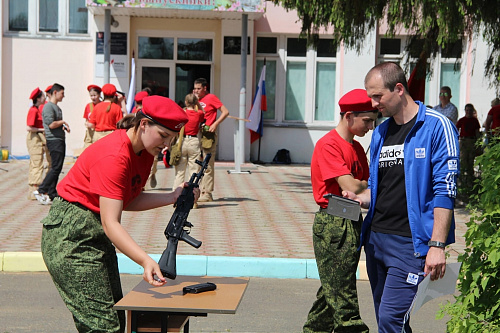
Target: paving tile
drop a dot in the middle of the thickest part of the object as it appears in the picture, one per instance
(267, 213)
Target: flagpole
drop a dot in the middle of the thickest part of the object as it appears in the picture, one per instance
(239, 141)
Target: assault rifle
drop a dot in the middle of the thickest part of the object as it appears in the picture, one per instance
(178, 227)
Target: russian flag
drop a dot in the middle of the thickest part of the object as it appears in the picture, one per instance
(255, 125)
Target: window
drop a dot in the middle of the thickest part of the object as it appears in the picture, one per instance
(194, 49)
(156, 48)
(267, 45)
(77, 17)
(270, 86)
(300, 81)
(18, 15)
(445, 68)
(325, 91)
(390, 46)
(451, 78)
(48, 15)
(296, 47)
(295, 102)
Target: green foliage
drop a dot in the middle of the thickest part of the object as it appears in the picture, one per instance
(477, 308)
(432, 24)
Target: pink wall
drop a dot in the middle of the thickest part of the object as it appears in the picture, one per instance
(278, 20)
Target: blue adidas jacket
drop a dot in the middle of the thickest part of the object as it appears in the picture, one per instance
(431, 164)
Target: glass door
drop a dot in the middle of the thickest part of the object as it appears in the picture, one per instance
(157, 77)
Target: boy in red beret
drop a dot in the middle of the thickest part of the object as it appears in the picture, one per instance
(83, 227)
(339, 163)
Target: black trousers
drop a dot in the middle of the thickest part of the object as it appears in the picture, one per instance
(57, 150)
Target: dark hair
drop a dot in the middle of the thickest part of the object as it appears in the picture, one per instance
(201, 81)
(132, 120)
(56, 87)
(37, 97)
(391, 73)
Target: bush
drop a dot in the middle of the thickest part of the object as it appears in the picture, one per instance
(477, 307)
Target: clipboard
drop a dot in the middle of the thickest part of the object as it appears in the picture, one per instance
(343, 207)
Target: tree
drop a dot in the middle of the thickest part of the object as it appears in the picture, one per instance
(432, 24)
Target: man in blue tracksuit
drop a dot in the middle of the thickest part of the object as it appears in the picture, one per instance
(410, 196)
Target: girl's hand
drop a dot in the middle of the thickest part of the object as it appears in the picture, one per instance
(152, 274)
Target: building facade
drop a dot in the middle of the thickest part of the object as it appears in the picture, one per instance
(175, 42)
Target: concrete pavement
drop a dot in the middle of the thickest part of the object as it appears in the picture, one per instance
(29, 302)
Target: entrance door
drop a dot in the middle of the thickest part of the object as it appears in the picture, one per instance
(185, 74)
(157, 77)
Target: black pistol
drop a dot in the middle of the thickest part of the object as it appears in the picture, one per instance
(178, 227)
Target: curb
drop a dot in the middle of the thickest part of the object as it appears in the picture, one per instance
(194, 265)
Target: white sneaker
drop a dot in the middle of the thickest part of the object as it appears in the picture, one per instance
(42, 198)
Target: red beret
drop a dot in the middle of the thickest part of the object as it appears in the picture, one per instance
(165, 112)
(109, 89)
(140, 96)
(34, 93)
(356, 100)
(95, 87)
(48, 88)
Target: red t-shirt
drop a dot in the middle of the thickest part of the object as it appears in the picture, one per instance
(88, 111)
(210, 104)
(109, 168)
(34, 118)
(195, 118)
(468, 127)
(333, 157)
(495, 113)
(106, 121)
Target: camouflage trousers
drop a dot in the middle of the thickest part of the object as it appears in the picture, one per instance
(83, 265)
(336, 308)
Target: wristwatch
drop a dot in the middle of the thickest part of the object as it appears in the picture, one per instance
(436, 244)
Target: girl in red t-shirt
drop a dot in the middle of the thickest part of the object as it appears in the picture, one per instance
(106, 114)
(95, 97)
(190, 148)
(83, 226)
(36, 143)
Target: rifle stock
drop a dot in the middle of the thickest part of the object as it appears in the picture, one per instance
(176, 228)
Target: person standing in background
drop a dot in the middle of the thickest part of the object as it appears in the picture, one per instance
(210, 104)
(54, 127)
(36, 143)
(492, 122)
(468, 130)
(190, 149)
(138, 100)
(106, 114)
(445, 106)
(95, 97)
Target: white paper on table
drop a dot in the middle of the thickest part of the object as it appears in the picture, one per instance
(428, 290)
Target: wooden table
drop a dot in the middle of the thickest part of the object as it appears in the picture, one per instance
(166, 309)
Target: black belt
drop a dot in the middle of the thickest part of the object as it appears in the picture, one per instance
(79, 205)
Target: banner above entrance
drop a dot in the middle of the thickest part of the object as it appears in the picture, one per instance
(247, 6)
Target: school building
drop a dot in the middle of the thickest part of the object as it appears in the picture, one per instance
(173, 42)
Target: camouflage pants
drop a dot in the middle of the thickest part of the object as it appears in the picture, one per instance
(335, 246)
(83, 265)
